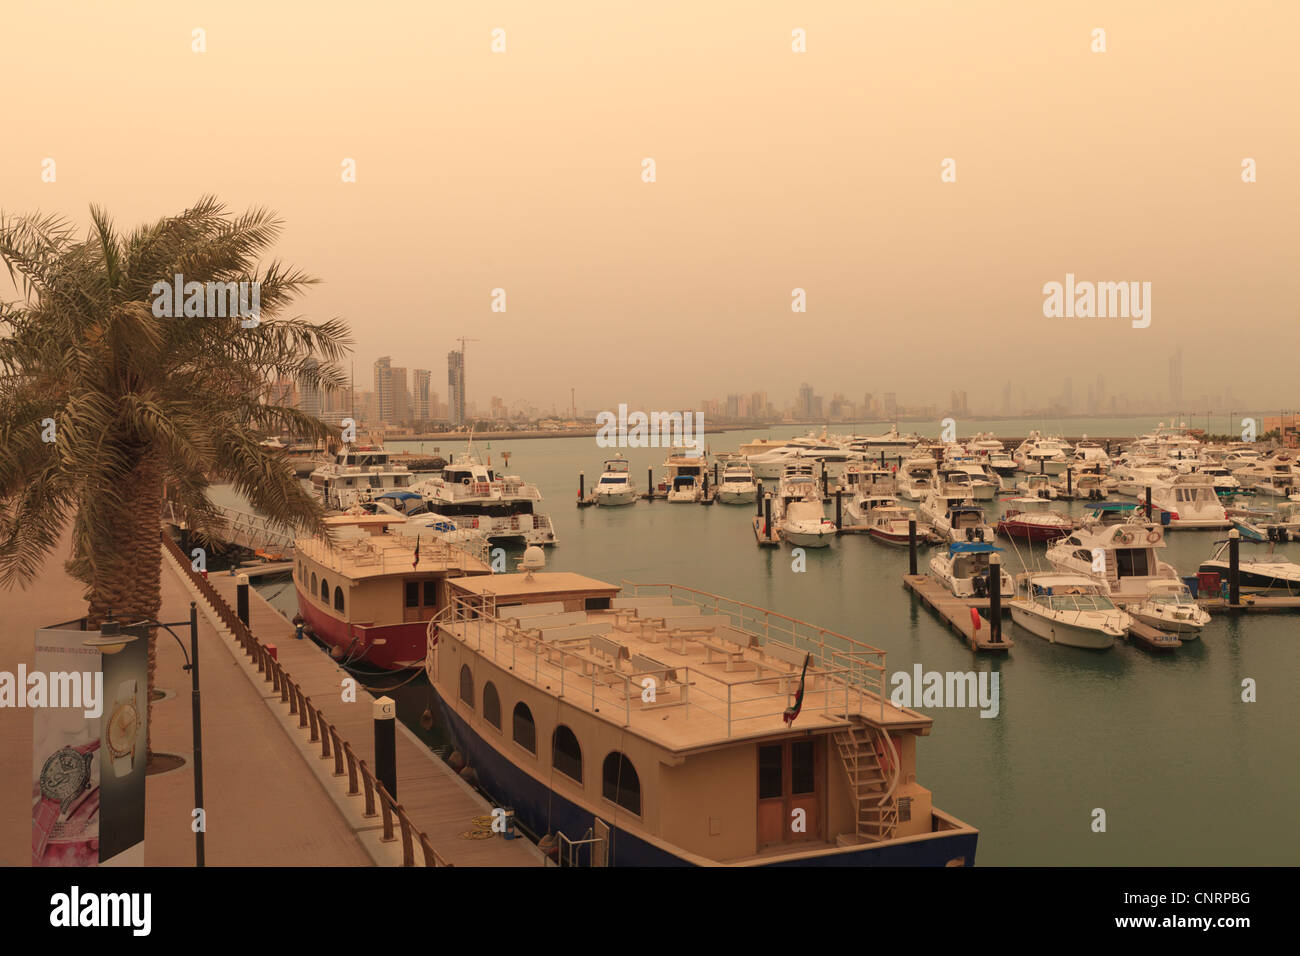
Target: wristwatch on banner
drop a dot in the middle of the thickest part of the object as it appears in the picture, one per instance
(123, 728)
(65, 776)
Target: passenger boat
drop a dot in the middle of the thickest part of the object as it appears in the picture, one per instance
(1257, 576)
(370, 596)
(473, 495)
(964, 570)
(1031, 520)
(358, 473)
(615, 486)
(660, 725)
(1170, 607)
(1118, 550)
(737, 486)
(1068, 609)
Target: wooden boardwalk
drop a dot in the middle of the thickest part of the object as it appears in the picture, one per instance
(438, 802)
(956, 613)
(1154, 638)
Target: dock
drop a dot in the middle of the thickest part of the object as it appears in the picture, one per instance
(956, 612)
(1151, 637)
(432, 821)
(1251, 603)
(766, 537)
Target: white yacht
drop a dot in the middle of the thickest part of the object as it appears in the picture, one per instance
(964, 570)
(890, 445)
(1191, 502)
(956, 519)
(867, 479)
(984, 485)
(1134, 475)
(1039, 455)
(1068, 609)
(501, 507)
(916, 478)
(1037, 486)
(798, 512)
(615, 486)
(684, 476)
(737, 486)
(1223, 480)
(1118, 551)
(770, 464)
(1170, 607)
(358, 473)
(1276, 475)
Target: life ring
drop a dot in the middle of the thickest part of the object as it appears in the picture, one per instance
(1153, 536)
(1127, 537)
(475, 524)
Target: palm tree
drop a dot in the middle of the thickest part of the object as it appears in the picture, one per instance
(139, 404)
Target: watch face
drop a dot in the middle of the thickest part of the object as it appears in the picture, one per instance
(122, 727)
(64, 774)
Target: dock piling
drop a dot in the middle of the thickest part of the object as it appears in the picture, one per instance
(582, 486)
(650, 484)
(767, 516)
(1069, 481)
(995, 598)
(1234, 565)
(241, 597)
(911, 546)
(758, 501)
(385, 713)
(839, 510)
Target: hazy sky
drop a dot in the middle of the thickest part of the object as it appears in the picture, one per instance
(522, 170)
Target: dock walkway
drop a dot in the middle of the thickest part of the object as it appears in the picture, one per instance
(955, 612)
(435, 801)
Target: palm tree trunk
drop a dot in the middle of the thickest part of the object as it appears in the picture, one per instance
(129, 582)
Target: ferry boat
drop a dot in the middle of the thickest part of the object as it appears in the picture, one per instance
(1069, 609)
(737, 486)
(615, 486)
(358, 473)
(477, 498)
(370, 596)
(660, 725)
(964, 569)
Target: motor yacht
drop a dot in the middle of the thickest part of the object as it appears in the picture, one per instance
(1068, 609)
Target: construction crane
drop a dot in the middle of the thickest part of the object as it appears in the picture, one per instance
(462, 340)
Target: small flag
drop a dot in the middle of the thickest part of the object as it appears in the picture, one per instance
(416, 562)
(792, 712)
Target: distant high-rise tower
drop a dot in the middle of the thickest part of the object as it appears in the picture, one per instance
(456, 387)
(309, 396)
(401, 397)
(805, 405)
(382, 407)
(422, 401)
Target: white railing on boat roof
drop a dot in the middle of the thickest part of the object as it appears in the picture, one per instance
(852, 674)
(361, 552)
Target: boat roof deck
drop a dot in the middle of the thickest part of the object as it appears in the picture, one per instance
(373, 555)
(714, 683)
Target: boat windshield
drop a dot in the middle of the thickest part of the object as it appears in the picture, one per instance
(1079, 602)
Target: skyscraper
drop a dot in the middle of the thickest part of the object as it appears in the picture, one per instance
(422, 397)
(456, 387)
(401, 397)
(381, 409)
(309, 395)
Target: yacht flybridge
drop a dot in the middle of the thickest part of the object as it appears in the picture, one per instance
(1191, 502)
(1039, 455)
(751, 716)
(1118, 550)
(358, 473)
(477, 498)
(684, 476)
(798, 512)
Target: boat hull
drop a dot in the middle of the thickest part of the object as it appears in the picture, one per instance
(807, 539)
(544, 810)
(616, 499)
(392, 647)
(1055, 632)
(737, 497)
(1032, 532)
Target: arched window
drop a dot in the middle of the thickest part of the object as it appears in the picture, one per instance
(525, 731)
(491, 705)
(338, 599)
(620, 783)
(566, 755)
(325, 591)
(313, 582)
(466, 685)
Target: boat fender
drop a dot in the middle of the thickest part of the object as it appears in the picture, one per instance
(1153, 536)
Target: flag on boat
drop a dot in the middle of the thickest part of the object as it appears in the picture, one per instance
(792, 712)
(416, 562)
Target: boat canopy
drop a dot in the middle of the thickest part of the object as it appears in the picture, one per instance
(398, 495)
(1116, 506)
(972, 547)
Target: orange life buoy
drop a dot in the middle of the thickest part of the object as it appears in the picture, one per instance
(475, 525)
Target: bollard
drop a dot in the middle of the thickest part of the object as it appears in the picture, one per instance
(995, 599)
(706, 484)
(650, 484)
(582, 486)
(911, 546)
(1150, 513)
(1234, 566)
(241, 597)
(839, 512)
(386, 744)
(767, 517)
(758, 501)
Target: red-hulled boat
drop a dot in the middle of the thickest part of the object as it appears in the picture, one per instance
(370, 596)
(1031, 520)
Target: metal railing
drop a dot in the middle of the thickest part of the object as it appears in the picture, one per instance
(378, 801)
(240, 527)
(853, 673)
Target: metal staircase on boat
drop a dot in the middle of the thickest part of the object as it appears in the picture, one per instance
(871, 783)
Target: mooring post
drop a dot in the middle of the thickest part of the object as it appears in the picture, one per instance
(650, 483)
(1069, 481)
(995, 599)
(1234, 566)
(758, 502)
(1150, 514)
(911, 546)
(839, 510)
(767, 517)
(582, 486)
(386, 744)
(241, 597)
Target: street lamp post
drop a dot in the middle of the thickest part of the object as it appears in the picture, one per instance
(192, 665)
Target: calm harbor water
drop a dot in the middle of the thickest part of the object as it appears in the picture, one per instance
(1186, 772)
